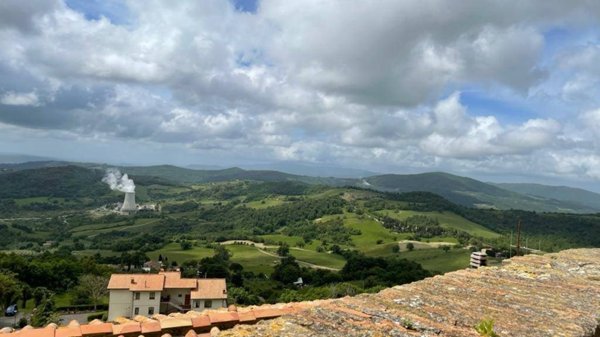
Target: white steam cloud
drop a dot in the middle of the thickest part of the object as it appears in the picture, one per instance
(118, 181)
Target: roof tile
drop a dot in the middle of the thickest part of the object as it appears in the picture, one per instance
(137, 282)
(210, 289)
(150, 326)
(94, 328)
(223, 317)
(201, 321)
(173, 322)
(173, 280)
(40, 332)
(126, 328)
(68, 331)
(267, 313)
(246, 316)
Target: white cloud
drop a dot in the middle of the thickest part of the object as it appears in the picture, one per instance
(22, 99)
(366, 84)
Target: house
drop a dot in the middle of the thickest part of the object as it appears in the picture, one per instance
(152, 266)
(166, 292)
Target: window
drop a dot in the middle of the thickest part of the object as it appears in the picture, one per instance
(197, 304)
(152, 295)
(178, 295)
(136, 311)
(137, 295)
(151, 311)
(207, 303)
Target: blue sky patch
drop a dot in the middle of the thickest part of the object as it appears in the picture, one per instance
(114, 10)
(249, 6)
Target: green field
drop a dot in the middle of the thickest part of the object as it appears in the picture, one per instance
(266, 202)
(252, 259)
(447, 220)
(321, 259)
(174, 253)
(371, 231)
(292, 241)
(94, 229)
(432, 259)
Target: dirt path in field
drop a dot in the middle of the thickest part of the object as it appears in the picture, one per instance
(261, 248)
(303, 263)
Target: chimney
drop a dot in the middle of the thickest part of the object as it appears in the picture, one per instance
(129, 203)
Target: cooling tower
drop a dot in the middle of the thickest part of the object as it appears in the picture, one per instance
(129, 203)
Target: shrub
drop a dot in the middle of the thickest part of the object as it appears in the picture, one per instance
(485, 328)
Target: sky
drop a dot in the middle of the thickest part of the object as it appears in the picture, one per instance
(484, 88)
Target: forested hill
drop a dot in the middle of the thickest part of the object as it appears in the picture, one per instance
(69, 181)
(474, 193)
(461, 190)
(562, 193)
(190, 176)
(62, 181)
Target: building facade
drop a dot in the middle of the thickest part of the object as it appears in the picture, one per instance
(165, 292)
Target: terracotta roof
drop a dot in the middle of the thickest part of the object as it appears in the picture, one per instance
(210, 289)
(195, 321)
(137, 282)
(151, 326)
(201, 288)
(223, 317)
(530, 296)
(173, 280)
(555, 294)
(96, 327)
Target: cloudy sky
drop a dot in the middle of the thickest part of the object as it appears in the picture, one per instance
(474, 87)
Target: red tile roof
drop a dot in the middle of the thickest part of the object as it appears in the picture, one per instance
(223, 317)
(173, 280)
(200, 288)
(200, 321)
(137, 282)
(96, 327)
(210, 289)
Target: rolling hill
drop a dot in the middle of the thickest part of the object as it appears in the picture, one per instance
(474, 193)
(461, 190)
(561, 193)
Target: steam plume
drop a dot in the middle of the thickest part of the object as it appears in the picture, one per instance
(117, 181)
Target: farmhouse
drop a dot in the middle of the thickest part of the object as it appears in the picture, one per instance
(165, 292)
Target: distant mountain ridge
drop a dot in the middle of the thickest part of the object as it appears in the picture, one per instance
(457, 189)
(561, 193)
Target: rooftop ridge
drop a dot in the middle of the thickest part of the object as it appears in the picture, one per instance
(551, 295)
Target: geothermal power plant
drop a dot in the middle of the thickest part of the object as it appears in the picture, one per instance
(129, 204)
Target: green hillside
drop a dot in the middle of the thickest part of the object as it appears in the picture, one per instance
(64, 181)
(470, 192)
(576, 196)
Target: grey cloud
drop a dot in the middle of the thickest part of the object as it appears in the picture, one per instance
(22, 15)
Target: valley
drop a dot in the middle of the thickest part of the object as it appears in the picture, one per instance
(261, 234)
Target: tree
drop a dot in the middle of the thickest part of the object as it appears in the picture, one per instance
(94, 287)
(10, 289)
(222, 253)
(445, 248)
(287, 270)
(410, 246)
(44, 313)
(283, 250)
(185, 245)
(39, 294)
